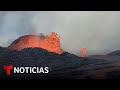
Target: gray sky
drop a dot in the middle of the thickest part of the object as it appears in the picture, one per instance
(98, 31)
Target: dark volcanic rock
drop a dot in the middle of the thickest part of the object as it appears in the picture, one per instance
(113, 74)
(61, 66)
(36, 57)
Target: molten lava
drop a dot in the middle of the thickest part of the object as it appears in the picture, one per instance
(50, 43)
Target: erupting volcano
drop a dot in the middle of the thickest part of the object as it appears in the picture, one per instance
(51, 43)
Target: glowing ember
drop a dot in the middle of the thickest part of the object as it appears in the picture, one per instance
(50, 43)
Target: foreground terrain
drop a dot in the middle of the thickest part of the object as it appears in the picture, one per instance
(61, 66)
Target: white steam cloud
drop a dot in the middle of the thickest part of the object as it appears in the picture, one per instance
(98, 31)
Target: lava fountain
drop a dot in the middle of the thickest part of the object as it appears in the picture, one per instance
(49, 42)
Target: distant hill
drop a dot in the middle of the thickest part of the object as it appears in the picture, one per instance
(115, 53)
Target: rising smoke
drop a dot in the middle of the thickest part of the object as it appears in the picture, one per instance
(99, 31)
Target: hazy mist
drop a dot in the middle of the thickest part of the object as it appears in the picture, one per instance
(98, 31)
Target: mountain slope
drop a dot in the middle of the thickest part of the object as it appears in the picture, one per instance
(115, 53)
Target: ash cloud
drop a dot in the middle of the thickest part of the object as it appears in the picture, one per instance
(98, 31)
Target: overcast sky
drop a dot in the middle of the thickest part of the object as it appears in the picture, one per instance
(98, 31)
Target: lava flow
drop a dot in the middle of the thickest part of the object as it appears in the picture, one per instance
(51, 43)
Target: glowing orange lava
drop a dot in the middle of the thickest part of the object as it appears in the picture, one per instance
(50, 43)
(83, 52)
